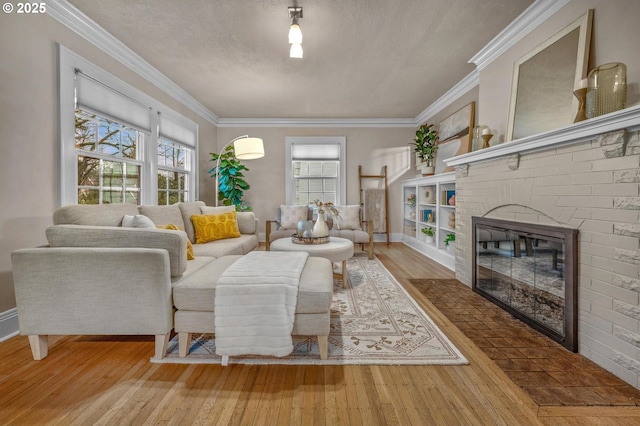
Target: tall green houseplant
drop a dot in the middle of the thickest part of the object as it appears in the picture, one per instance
(426, 143)
(231, 183)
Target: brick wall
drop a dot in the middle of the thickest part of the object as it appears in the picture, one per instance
(593, 186)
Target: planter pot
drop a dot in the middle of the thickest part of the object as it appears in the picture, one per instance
(428, 239)
(451, 248)
(427, 170)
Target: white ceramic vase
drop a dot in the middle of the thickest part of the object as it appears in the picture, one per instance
(320, 229)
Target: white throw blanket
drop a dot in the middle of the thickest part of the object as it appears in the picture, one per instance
(255, 304)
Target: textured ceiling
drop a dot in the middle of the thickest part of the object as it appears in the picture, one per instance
(362, 58)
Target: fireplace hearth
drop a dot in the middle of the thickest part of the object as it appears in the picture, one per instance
(530, 270)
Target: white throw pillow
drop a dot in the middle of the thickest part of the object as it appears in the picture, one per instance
(291, 215)
(349, 217)
(137, 221)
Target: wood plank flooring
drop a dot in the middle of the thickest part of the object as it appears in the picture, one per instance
(109, 380)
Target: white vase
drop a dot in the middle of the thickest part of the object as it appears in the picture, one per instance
(429, 239)
(320, 229)
(451, 248)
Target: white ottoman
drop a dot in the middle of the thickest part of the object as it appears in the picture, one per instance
(336, 250)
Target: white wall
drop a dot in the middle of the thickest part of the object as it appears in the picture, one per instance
(370, 147)
(29, 126)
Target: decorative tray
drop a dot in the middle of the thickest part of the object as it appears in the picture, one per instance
(296, 239)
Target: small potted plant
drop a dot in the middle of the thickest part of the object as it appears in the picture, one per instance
(450, 242)
(426, 145)
(428, 232)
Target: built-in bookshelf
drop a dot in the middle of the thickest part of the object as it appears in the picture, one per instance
(429, 205)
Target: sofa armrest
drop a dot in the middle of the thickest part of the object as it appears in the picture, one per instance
(267, 232)
(73, 290)
(174, 242)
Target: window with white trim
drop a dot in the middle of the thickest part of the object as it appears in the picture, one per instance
(123, 146)
(316, 169)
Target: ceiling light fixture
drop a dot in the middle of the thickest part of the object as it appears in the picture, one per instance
(295, 34)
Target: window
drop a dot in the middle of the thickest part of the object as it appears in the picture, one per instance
(123, 146)
(316, 170)
(173, 172)
(108, 163)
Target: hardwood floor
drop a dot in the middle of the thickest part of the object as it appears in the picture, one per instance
(109, 380)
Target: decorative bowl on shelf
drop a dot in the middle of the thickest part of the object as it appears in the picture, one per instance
(298, 239)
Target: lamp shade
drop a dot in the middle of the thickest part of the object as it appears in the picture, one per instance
(248, 148)
(295, 34)
(296, 51)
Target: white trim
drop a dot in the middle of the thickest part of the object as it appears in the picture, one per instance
(342, 177)
(469, 82)
(317, 122)
(70, 16)
(8, 324)
(526, 22)
(77, 21)
(628, 118)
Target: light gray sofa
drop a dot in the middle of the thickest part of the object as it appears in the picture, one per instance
(96, 277)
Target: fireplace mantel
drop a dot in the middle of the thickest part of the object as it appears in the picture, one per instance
(628, 118)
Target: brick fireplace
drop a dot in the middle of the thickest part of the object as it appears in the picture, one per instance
(585, 177)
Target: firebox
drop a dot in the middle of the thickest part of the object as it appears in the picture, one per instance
(531, 271)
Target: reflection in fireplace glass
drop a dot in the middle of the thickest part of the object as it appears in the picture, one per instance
(525, 272)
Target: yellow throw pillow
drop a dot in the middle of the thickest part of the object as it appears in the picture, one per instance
(211, 227)
(172, 227)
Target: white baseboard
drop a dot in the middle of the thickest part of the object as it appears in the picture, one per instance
(8, 324)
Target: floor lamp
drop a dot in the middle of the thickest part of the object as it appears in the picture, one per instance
(244, 148)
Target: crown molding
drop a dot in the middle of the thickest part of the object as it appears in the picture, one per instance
(80, 23)
(469, 82)
(526, 22)
(316, 122)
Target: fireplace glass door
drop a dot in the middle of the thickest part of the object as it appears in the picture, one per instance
(524, 271)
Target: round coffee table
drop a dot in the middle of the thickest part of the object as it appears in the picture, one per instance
(336, 250)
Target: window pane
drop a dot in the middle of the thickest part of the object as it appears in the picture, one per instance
(88, 196)
(315, 185)
(300, 168)
(330, 198)
(302, 199)
(302, 185)
(329, 185)
(315, 168)
(88, 171)
(330, 169)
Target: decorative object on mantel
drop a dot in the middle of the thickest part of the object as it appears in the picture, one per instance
(581, 95)
(478, 142)
(455, 136)
(544, 79)
(426, 145)
(486, 137)
(607, 89)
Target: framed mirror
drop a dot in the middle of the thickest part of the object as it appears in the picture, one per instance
(544, 80)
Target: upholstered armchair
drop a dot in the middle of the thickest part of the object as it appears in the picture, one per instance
(349, 225)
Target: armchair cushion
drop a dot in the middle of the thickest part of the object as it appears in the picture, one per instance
(291, 215)
(349, 217)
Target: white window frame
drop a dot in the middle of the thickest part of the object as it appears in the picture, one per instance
(68, 168)
(341, 187)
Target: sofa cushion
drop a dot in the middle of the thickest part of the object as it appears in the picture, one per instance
(175, 242)
(137, 221)
(196, 291)
(212, 227)
(349, 217)
(187, 210)
(217, 209)
(163, 215)
(291, 215)
(93, 214)
(241, 245)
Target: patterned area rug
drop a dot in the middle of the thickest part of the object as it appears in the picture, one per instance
(373, 321)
